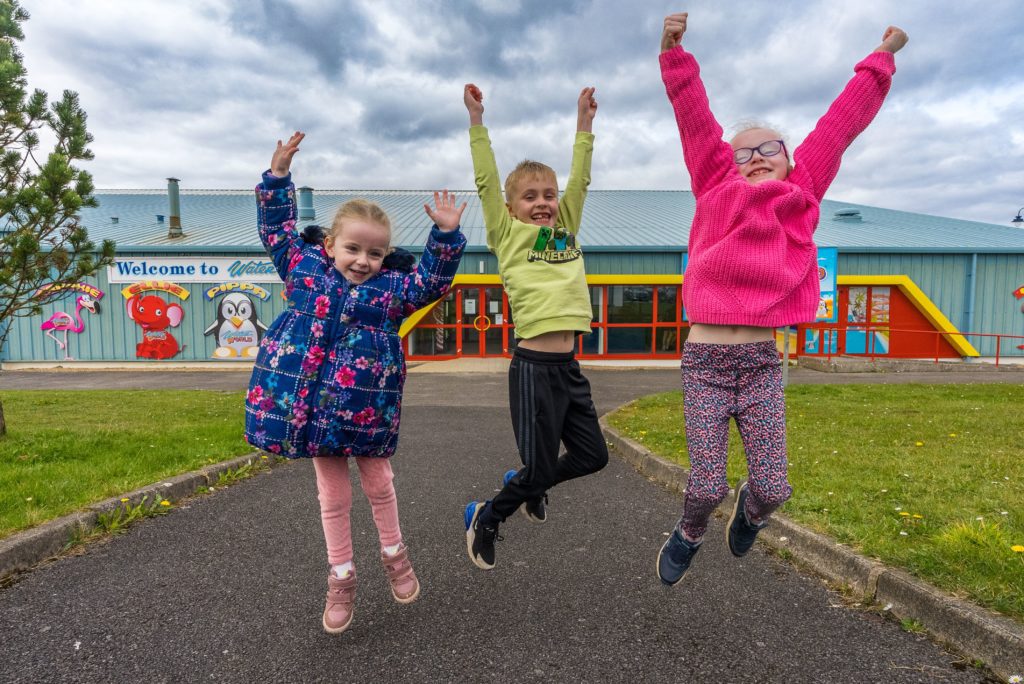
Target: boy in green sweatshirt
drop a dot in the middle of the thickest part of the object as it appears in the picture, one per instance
(533, 235)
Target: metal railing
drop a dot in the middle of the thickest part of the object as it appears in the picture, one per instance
(873, 354)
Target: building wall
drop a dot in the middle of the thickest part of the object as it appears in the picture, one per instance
(945, 278)
(112, 336)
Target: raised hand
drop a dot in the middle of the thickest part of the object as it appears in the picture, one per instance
(586, 110)
(892, 40)
(474, 100)
(447, 214)
(675, 27)
(281, 162)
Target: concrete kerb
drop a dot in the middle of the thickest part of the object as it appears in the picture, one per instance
(970, 629)
(23, 550)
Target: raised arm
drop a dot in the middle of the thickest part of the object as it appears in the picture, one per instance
(441, 256)
(708, 157)
(485, 169)
(570, 206)
(275, 203)
(817, 159)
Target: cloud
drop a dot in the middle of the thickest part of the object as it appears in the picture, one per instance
(201, 89)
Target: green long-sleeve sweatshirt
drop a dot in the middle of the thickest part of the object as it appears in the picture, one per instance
(544, 278)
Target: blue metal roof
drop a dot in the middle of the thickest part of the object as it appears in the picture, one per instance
(614, 220)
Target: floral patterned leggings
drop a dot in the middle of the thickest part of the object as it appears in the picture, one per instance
(335, 493)
(744, 382)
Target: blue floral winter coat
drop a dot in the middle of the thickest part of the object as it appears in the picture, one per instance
(329, 374)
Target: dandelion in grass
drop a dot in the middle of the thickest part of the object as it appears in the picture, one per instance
(918, 516)
(904, 513)
(165, 502)
(124, 499)
(952, 434)
(1017, 548)
(919, 444)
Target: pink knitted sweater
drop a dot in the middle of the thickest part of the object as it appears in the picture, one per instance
(752, 257)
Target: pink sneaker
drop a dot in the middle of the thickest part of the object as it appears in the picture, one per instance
(341, 596)
(404, 585)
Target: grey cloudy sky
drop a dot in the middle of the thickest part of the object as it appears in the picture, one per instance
(202, 89)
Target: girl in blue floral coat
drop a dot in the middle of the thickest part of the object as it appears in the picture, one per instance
(329, 374)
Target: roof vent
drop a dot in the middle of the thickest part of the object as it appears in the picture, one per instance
(306, 210)
(159, 218)
(174, 201)
(847, 215)
(113, 219)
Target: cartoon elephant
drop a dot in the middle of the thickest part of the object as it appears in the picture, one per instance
(155, 316)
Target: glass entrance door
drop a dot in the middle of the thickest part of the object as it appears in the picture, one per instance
(483, 324)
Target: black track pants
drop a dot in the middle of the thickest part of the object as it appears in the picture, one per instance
(550, 403)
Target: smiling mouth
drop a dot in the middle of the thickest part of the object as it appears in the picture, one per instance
(758, 172)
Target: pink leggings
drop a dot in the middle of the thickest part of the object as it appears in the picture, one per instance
(335, 494)
(741, 382)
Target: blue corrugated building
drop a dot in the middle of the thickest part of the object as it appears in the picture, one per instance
(909, 285)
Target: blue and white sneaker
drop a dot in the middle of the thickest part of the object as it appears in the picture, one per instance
(675, 557)
(480, 538)
(741, 533)
(535, 509)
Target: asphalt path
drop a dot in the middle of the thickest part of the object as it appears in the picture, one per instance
(229, 586)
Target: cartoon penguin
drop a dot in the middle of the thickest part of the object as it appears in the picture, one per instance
(238, 328)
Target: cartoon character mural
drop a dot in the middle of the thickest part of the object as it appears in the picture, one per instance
(63, 322)
(237, 328)
(155, 315)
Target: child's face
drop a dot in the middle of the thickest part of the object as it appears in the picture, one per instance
(536, 201)
(358, 249)
(759, 167)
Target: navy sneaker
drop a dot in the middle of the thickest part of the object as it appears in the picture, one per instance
(675, 557)
(480, 538)
(534, 509)
(741, 533)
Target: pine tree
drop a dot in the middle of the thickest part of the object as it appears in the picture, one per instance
(41, 239)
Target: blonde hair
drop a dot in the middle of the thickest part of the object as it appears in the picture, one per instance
(526, 169)
(360, 209)
(750, 124)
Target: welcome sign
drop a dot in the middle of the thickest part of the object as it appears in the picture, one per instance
(192, 270)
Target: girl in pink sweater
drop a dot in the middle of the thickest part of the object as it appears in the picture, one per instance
(752, 267)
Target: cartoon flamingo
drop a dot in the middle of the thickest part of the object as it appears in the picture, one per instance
(65, 322)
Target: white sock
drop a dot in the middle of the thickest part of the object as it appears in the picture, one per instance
(392, 550)
(342, 571)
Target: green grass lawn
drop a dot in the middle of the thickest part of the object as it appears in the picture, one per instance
(926, 477)
(67, 449)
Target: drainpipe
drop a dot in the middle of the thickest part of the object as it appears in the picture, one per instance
(972, 289)
(174, 215)
(306, 210)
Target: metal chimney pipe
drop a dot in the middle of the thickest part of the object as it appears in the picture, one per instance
(174, 228)
(306, 210)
